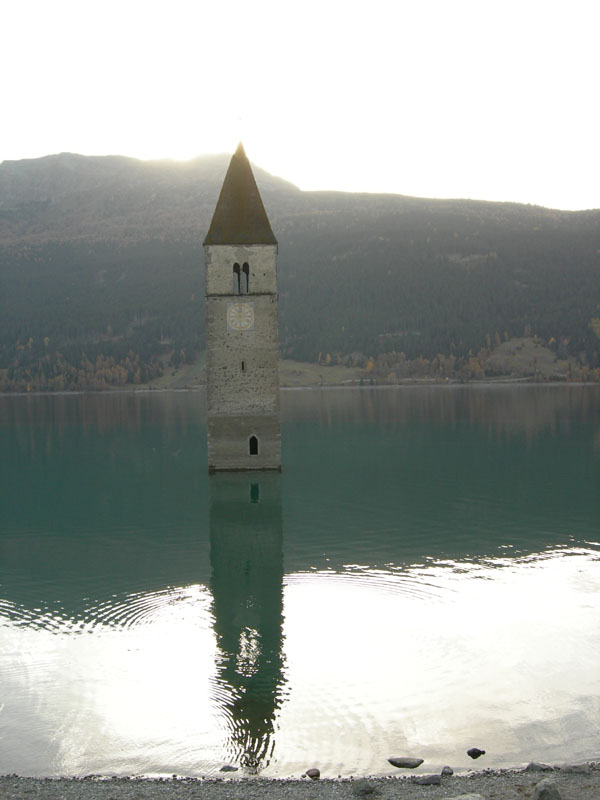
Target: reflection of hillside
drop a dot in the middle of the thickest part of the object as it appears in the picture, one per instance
(107, 494)
(101, 495)
(407, 476)
(99, 412)
(510, 408)
(247, 573)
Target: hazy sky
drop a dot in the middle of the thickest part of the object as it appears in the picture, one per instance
(490, 99)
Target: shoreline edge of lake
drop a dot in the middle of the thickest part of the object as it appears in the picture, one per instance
(579, 781)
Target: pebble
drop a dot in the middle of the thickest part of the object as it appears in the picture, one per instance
(363, 787)
(429, 780)
(575, 769)
(405, 763)
(475, 752)
(447, 771)
(546, 789)
(313, 773)
(466, 797)
(537, 766)
(228, 768)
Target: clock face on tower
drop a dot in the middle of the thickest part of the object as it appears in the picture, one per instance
(240, 316)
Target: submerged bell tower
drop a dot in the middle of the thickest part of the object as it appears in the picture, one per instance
(242, 351)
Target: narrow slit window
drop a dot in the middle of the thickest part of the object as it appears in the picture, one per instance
(253, 446)
(236, 279)
(245, 279)
(243, 366)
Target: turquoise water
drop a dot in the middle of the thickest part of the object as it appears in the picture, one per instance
(423, 577)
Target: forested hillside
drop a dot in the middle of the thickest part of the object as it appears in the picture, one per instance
(101, 272)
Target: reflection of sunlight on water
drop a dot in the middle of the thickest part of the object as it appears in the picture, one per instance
(249, 652)
(427, 660)
(481, 654)
(131, 697)
(411, 582)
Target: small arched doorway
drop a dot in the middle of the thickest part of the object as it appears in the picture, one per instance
(253, 446)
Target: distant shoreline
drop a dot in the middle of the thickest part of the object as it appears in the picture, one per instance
(408, 384)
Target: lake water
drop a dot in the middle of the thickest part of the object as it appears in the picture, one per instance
(423, 577)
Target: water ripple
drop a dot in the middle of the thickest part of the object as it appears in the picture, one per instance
(416, 584)
(117, 612)
(35, 618)
(132, 610)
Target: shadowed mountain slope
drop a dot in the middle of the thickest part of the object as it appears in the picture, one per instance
(103, 256)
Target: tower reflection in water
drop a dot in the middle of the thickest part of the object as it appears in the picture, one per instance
(247, 574)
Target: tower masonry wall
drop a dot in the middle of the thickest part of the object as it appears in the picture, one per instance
(242, 353)
(228, 442)
(261, 260)
(242, 365)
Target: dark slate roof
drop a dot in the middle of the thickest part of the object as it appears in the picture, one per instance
(240, 217)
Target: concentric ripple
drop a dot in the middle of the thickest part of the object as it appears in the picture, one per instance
(140, 608)
(413, 583)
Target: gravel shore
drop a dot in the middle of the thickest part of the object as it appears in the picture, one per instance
(574, 782)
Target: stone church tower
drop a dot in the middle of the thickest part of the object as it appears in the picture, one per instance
(242, 375)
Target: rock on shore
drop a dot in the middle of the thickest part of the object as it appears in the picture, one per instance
(405, 763)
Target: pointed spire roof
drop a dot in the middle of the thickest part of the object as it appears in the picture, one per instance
(240, 217)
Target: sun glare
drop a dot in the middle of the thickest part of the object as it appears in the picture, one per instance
(428, 99)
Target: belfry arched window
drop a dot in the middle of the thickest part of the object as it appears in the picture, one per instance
(236, 279)
(253, 446)
(245, 279)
